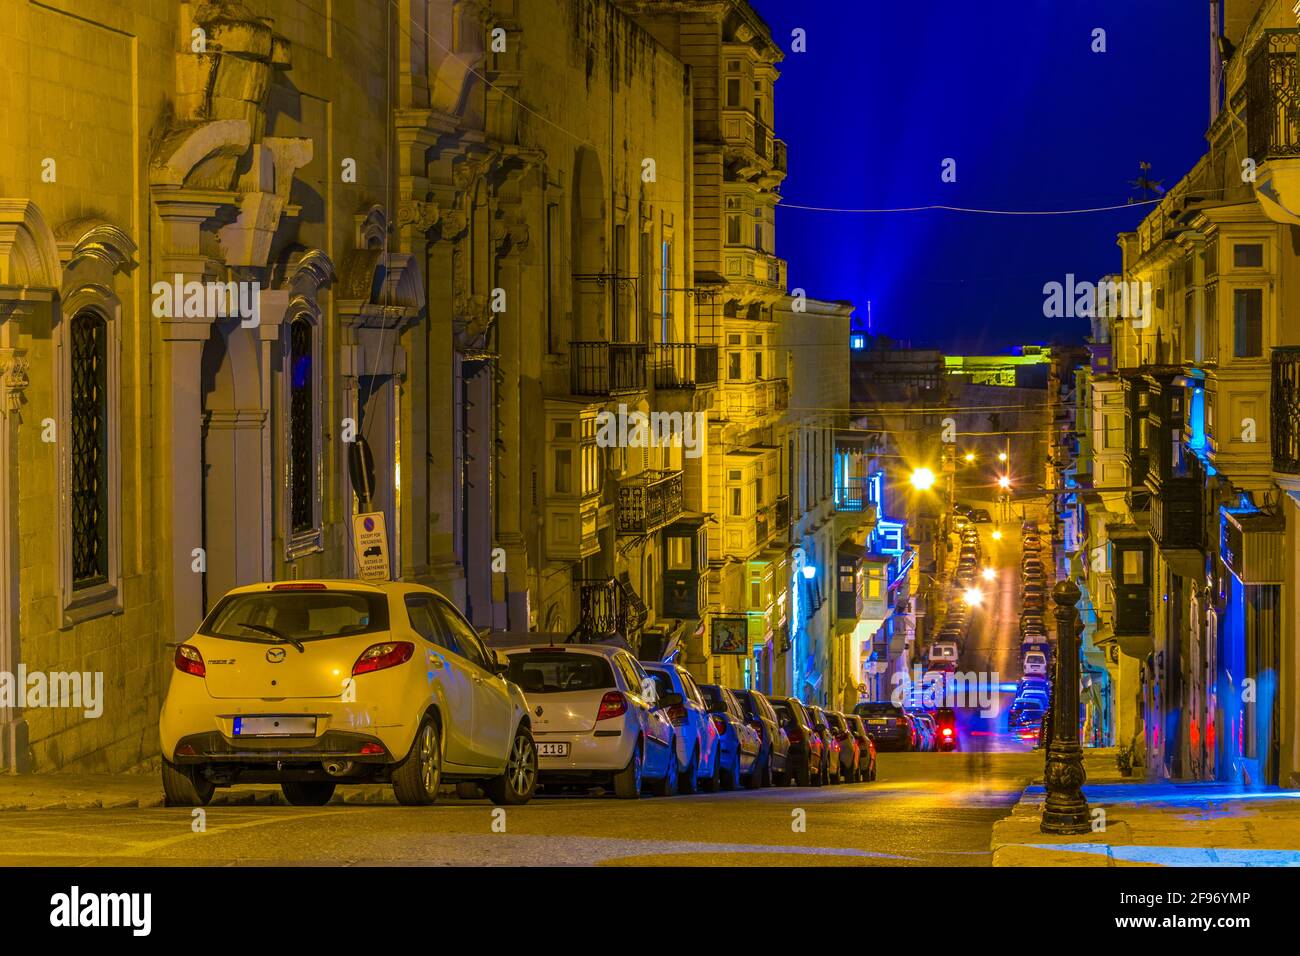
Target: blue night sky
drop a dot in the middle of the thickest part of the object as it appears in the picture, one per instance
(1035, 120)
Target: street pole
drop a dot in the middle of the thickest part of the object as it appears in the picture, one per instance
(1066, 810)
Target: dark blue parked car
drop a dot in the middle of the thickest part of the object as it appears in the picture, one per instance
(739, 743)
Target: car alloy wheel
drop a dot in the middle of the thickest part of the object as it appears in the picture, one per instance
(417, 778)
(521, 766)
(429, 772)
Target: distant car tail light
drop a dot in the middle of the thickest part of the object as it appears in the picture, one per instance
(378, 657)
(612, 704)
(947, 731)
(721, 723)
(189, 660)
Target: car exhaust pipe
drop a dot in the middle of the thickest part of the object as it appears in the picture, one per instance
(338, 768)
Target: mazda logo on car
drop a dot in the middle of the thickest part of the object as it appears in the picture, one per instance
(275, 655)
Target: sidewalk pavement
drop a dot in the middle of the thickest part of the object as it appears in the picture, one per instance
(1156, 824)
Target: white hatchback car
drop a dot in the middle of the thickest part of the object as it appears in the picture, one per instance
(1035, 664)
(310, 684)
(595, 716)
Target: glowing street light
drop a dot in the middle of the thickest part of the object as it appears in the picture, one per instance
(1004, 482)
(1002, 456)
(997, 535)
(970, 456)
(974, 597)
(989, 574)
(922, 479)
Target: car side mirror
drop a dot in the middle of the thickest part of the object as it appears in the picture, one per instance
(669, 700)
(500, 663)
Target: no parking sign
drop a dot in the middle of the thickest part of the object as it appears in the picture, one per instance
(370, 540)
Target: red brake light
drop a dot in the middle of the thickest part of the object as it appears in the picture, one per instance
(721, 723)
(900, 721)
(189, 660)
(378, 657)
(612, 704)
(297, 586)
(795, 735)
(370, 749)
(947, 731)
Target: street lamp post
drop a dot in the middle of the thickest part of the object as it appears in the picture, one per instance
(1066, 810)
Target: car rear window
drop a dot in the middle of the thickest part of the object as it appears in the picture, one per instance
(298, 615)
(878, 709)
(713, 698)
(560, 673)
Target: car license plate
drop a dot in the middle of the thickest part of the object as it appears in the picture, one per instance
(553, 750)
(275, 726)
(878, 720)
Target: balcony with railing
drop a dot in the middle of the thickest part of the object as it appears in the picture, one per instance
(781, 513)
(757, 266)
(684, 365)
(609, 606)
(1286, 412)
(749, 144)
(607, 368)
(649, 501)
(1273, 122)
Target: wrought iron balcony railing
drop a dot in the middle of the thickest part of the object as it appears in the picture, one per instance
(607, 368)
(685, 365)
(609, 606)
(649, 501)
(1273, 97)
(779, 154)
(1286, 410)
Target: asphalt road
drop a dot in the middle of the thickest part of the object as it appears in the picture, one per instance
(924, 809)
(992, 648)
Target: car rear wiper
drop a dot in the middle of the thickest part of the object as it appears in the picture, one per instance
(279, 638)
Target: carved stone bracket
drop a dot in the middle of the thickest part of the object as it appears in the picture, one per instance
(13, 379)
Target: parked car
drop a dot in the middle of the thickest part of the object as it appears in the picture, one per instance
(595, 717)
(849, 771)
(945, 719)
(267, 688)
(981, 516)
(739, 742)
(866, 746)
(774, 759)
(807, 746)
(929, 730)
(888, 724)
(1034, 664)
(943, 654)
(696, 736)
(962, 509)
(1025, 717)
(831, 751)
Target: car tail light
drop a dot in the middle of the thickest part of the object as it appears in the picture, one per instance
(368, 750)
(677, 714)
(612, 704)
(295, 586)
(947, 731)
(721, 723)
(378, 657)
(795, 735)
(900, 721)
(189, 660)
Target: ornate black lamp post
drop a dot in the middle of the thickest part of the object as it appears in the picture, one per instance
(1066, 810)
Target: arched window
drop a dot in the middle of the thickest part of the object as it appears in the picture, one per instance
(88, 456)
(302, 414)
